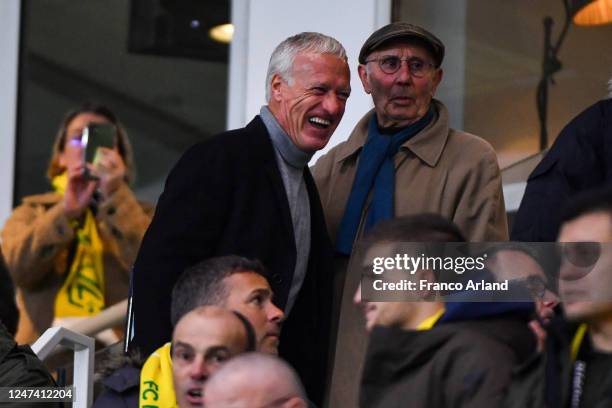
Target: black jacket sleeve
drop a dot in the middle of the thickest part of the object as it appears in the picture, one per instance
(188, 221)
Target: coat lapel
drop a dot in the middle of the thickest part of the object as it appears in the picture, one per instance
(262, 146)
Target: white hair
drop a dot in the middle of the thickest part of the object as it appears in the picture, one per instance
(283, 56)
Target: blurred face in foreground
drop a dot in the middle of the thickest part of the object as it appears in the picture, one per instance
(585, 278)
(391, 313)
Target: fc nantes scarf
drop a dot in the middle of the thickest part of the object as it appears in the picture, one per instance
(82, 293)
(156, 385)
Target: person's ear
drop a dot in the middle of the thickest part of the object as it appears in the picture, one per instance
(295, 402)
(365, 81)
(437, 78)
(276, 85)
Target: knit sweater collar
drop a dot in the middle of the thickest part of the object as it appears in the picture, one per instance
(281, 141)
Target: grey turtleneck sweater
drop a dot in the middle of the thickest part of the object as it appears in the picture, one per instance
(291, 163)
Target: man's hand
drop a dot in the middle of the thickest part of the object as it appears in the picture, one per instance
(111, 170)
(79, 190)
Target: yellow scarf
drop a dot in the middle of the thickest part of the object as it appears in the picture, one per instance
(577, 340)
(430, 322)
(156, 384)
(82, 293)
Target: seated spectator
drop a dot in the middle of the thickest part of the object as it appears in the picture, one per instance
(536, 269)
(575, 369)
(70, 251)
(9, 314)
(202, 340)
(235, 283)
(231, 282)
(437, 354)
(19, 367)
(255, 380)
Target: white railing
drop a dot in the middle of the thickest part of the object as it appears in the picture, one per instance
(84, 348)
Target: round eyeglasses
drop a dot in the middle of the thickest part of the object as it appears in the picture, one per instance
(390, 64)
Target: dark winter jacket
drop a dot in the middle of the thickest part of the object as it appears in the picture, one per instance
(119, 376)
(9, 314)
(580, 159)
(19, 367)
(454, 364)
(545, 380)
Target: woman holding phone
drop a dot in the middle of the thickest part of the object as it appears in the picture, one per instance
(69, 251)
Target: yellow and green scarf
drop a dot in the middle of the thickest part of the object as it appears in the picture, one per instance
(156, 384)
(82, 293)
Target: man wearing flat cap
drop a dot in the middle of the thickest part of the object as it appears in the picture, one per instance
(402, 158)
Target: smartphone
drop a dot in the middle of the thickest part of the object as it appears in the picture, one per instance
(95, 136)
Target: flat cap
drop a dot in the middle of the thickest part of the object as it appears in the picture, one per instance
(399, 30)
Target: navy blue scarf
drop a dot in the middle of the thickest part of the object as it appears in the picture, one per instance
(375, 169)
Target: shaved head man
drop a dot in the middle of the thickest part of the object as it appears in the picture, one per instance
(255, 380)
(202, 341)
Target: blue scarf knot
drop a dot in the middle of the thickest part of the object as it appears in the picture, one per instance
(375, 169)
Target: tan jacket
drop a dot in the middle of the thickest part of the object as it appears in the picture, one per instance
(439, 170)
(36, 240)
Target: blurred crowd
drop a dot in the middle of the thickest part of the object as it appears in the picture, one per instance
(245, 284)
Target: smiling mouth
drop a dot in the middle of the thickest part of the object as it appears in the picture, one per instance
(319, 122)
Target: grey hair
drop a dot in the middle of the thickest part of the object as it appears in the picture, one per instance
(283, 56)
(610, 88)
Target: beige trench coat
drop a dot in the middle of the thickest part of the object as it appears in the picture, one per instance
(35, 243)
(439, 170)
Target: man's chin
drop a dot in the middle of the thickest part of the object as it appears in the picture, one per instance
(269, 346)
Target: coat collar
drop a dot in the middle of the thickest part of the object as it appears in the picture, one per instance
(427, 145)
(49, 198)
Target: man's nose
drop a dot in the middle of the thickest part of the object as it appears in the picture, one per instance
(357, 296)
(199, 370)
(275, 314)
(333, 104)
(403, 74)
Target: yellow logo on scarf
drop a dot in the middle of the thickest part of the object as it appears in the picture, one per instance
(82, 293)
(156, 384)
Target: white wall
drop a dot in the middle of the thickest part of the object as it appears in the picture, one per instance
(9, 49)
(263, 24)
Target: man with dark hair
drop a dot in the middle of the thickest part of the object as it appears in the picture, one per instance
(575, 369)
(249, 192)
(235, 283)
(204, 285)
(439, 354)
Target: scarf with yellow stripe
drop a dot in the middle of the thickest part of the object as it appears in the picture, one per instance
(431, 321)
(156, 384)
(82, 293)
